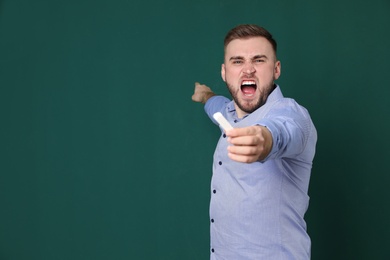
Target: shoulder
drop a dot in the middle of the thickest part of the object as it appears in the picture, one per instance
(287, 106)
(216, 103)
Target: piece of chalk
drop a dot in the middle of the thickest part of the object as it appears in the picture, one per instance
(222, 121)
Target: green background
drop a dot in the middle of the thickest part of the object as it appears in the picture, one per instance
(105, 156)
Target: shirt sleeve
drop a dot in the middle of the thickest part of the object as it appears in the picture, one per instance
(290, 126)
(216, 104)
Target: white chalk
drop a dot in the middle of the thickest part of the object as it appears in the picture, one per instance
(222, 121)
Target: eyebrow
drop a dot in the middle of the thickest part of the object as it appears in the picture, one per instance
(259, 56)
(262, 56)
(236, 58)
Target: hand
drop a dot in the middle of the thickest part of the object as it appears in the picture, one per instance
(202, 93)
(249, 144)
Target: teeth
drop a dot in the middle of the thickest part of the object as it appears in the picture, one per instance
(247, 82)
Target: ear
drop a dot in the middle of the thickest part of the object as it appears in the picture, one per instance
(223, 72)
(277, 70)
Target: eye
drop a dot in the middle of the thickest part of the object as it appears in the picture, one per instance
(237, 61)
(259, 60)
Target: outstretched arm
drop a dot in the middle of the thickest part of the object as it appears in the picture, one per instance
(202, 93)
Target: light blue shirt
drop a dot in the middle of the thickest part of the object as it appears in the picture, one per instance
(257, 209)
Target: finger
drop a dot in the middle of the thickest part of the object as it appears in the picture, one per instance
(246, 150)
(245, 131)
(196, 96)
(242, 158)
(251, 140)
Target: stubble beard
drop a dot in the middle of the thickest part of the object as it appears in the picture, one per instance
(251, 106)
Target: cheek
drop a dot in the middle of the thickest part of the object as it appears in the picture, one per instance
(232, 74)
(266, 75)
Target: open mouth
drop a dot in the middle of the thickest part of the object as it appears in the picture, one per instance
(248, 88)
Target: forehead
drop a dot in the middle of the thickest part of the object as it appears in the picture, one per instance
(249, 47)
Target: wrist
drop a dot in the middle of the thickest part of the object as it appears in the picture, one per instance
(207, 96)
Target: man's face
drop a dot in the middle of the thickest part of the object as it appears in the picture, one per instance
(249, 70)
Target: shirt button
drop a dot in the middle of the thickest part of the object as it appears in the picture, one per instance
(220, 163)
(224, 135)
(212, 220)
(212, 250)
(214, 191)
(235, 121)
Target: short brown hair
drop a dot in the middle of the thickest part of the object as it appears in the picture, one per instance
(244, 31)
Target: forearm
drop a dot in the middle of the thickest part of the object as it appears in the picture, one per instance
(289, 138)
(207, 96)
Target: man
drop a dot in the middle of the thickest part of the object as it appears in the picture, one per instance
(262, 167)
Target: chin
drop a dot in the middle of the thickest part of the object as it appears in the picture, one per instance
(249, 108)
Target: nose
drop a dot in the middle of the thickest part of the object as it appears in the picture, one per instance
(249, 68)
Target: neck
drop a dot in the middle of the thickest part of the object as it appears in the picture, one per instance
(239, 112)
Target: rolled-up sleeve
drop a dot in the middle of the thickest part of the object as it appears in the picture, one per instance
(290, 126)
